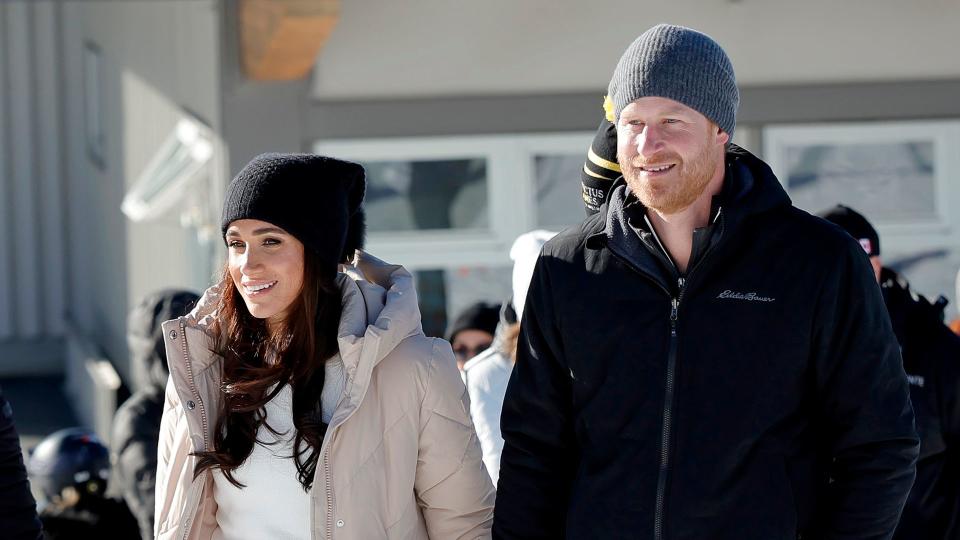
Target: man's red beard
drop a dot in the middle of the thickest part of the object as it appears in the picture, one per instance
(678, 189)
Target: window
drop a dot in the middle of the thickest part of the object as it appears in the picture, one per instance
(903, 176)
(449, 208)
(425, 195)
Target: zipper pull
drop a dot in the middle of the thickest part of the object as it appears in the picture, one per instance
(674, 304)
(681, 281)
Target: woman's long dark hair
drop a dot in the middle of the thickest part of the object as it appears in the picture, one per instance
(301, 345)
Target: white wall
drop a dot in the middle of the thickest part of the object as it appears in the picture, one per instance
(159, 58)
(383, 48)
(32, 299)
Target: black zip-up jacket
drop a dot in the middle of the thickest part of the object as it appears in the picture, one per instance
(931, 358)
(760, 397)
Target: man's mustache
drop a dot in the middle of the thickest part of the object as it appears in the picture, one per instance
(637, 162)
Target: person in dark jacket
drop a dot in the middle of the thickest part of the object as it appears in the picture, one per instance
(700, 359)
(18, 510)
(931, 358)
(136, 424)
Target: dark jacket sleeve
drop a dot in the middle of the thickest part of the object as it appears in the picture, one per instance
(539, 455)
(864, 403)
(136, 431)
(18, 510)
(947, 359)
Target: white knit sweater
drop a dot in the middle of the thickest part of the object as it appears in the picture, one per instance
(273, 504)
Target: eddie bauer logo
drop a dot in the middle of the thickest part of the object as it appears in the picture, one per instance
(750, 296)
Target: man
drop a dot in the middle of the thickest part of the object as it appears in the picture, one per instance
(931, 358)
(700, 360)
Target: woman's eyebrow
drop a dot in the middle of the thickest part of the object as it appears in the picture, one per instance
(257, 232)
(269, 230)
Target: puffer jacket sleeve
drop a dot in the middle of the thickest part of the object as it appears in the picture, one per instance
(540, 451)
(452, 486)
(864, 403)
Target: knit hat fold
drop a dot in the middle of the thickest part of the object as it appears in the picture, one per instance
(681, 64)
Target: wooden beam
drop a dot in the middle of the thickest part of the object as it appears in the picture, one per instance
(280, 39)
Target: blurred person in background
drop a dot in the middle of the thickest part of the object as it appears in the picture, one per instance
(487, 373)
(304, 400)
(700, 359)
(931, 358)
(71, 470)
(955, 323)
(600, 169)
(136, 424)
(472, 331)
(18, 510)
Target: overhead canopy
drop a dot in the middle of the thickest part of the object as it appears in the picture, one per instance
(280, 39)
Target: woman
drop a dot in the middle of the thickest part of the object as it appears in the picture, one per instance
(307, 403)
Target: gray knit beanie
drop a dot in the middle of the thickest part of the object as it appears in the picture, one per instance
(680, 64)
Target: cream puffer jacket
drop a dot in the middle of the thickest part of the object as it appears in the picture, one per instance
(400, 459)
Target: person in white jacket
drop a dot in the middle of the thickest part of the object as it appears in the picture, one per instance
(488, 373)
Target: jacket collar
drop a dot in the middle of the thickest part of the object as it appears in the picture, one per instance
(380, 310)
(750, 188)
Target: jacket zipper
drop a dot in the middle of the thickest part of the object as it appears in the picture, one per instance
(193, 386)
(324, 450)
(203, 414)
(667, 413)
(671, 374)
(668, 393)
(329, 490)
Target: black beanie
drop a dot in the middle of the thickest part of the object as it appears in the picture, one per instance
(317, 199)
(600, 168)
(856, 226)
(479, 316)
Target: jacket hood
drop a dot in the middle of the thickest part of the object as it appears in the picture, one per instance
(524, 254)
(749, 188)
(145, 339)
(380, 310)
(379, 305)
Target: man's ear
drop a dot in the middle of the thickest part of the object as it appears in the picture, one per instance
(722, 136)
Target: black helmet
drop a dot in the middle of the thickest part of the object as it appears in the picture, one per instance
(70, 457)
